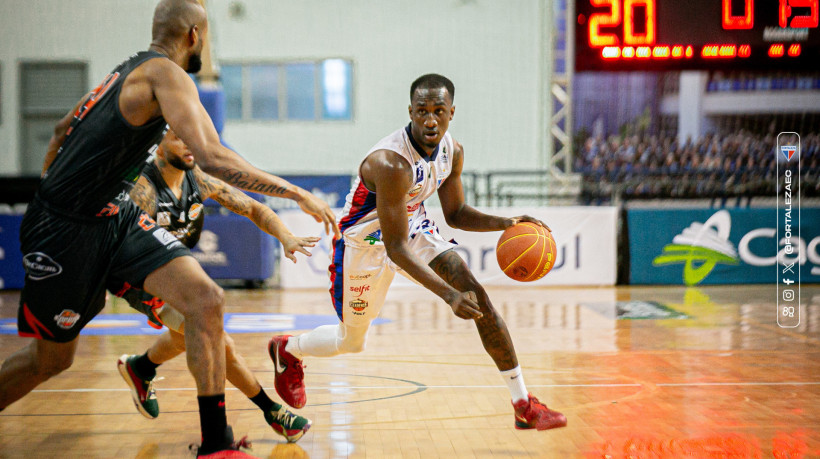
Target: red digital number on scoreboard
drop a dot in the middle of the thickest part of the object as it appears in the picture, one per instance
(746, 21)
(798, 22)
(614, 18)
(624, 12)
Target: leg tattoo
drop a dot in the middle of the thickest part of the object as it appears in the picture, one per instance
(491, 327)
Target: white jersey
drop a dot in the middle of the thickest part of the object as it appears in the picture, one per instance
(359, 222)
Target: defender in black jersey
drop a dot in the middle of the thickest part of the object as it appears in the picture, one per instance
(82, 232)
(171, 191)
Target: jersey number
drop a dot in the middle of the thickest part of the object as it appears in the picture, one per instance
(146, 222)
(95, 96)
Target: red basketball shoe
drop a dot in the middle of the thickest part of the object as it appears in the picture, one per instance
(229, 450)
(532, 414)
(289, 378)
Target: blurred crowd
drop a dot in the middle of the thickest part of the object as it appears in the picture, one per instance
(644, 167)
(769, 81)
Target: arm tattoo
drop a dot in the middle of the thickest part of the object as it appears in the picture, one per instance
(491, 327)
(243, 180)
(145, 195)
(233, 200)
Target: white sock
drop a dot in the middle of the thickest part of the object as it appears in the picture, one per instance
(320, 342)
(515, 382)
(293, 347)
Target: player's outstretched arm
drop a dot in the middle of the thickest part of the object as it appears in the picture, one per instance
(145, 196)
(60, 133)
(461, 216)
(179, 102)
(261, 215)
(389, 176)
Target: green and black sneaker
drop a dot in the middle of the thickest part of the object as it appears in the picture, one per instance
(142, 390)
(287, 424)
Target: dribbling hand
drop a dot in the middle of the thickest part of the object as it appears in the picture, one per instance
(525, 218)
(465, 305)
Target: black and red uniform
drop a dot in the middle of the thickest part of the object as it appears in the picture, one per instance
(183, 217)
(82, 232)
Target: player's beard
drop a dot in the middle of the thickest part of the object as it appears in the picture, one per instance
(179, 163)
(194, 63)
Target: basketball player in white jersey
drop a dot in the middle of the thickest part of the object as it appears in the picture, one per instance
(385, 230)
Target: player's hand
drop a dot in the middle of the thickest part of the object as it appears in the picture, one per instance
(465, 305)
(320, 211)
(524, 218)
(293, 244)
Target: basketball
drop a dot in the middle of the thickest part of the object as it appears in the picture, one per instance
(526, 252)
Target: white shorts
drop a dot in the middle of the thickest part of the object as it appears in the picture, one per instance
(360, 276)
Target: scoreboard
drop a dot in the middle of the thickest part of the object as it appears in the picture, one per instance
(697, 34)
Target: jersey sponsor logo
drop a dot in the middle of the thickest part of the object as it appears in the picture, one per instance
(194, 211)
(359, 276)
(358, 307)
(164, 218)
(419, 172)
(418, 182)
(415, 190)
(124, 195)
(412, 209)
(40, 266)
(109, 210)
(166, 238)
(374, 237)
(359, 290)
(66, 319)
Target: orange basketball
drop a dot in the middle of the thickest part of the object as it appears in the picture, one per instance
(526, 252)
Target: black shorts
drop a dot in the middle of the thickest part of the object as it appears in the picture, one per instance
(70, 261)
(143, 302)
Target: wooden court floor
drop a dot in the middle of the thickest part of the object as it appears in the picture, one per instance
(719, 380)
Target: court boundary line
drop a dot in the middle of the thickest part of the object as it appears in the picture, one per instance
(331, 388)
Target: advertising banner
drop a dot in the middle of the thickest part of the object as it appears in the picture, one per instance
(11, 260)
(585, 239)
(721, 246)
(232, 247)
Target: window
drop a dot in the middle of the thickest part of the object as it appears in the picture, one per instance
(48, 90)
(263, 93)
(289, 91)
